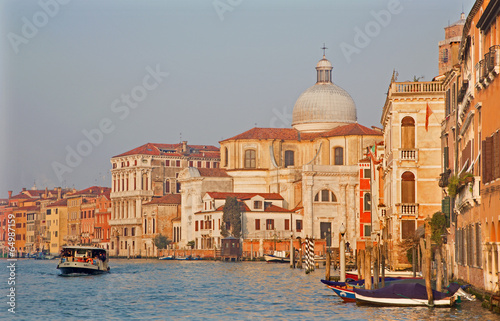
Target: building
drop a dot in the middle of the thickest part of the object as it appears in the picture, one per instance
(449, 47)
(57, 222)
(78, 209)
(102, 229)
(158, 217)
(313, 165)
(142, 173)
(411, 120)
(471, 150)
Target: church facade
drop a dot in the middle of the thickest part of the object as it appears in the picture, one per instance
(314, 165)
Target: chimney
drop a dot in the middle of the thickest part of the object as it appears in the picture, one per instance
(58, 193)
(10, 194)
(184, 146)
(46, 195)
(24, 189)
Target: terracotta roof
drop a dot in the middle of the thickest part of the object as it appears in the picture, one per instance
(175, 150)
(94, 190)
(274, 208)
(61, 202)
(19, 196)
(213, 172)
(245, 196)
(293, 134)
(166, 199)
(271, 208)
(350, 130)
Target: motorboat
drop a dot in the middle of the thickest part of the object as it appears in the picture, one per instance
(83, 260)
(277, 257)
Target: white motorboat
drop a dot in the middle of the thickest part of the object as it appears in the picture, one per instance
(83, 260)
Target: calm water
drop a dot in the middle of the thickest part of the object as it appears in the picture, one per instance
(196, 290)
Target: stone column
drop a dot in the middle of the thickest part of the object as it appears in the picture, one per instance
(308, 183)
(351, 213)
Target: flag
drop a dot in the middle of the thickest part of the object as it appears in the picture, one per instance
(428, 114)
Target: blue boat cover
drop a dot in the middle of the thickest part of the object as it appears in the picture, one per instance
(402, 290)
(357, 283)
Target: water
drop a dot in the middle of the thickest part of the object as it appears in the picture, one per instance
(195, 290)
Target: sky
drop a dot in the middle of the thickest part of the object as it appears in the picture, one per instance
(85, 80)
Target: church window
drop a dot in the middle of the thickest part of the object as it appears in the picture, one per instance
(339, 156)
(367, 202)
(408, 188)
(325, 196)
(226, 156)
(250, 158)
(408, 133)
(289, 158)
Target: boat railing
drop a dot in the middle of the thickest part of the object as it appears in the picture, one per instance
(93, 261)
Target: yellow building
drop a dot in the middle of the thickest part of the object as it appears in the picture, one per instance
(411, 120)
(57, 223)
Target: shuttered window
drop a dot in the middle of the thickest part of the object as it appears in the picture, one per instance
(407, 229)
(408, 133)
(408, 188)
(478, 245)
(257, 224)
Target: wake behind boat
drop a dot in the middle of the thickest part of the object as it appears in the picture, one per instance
(83, 260)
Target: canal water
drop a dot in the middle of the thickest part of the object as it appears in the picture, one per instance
(149, 289)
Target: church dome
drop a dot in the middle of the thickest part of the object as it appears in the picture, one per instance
(325, 105)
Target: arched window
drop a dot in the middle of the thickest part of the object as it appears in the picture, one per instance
(226, 157)
(367, 198)
(408, 133)
(408, 188)
(325, 196)
(289, 158)
(250, 158)
(339, 156)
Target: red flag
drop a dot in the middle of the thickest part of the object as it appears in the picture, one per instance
(428, 114)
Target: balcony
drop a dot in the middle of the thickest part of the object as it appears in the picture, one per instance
(407, 209)
(408, 155)
(463, 90)
(416, 87)
(480, 70)
(468, 196)
(492, 64)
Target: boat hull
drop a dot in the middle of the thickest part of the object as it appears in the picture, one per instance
(80, 268)
(403, 294)
(364, 300)
(275, 259)
(345, 294)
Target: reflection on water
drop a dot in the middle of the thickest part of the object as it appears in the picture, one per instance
(199, 290)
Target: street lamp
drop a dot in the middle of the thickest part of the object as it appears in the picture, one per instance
(342, 253)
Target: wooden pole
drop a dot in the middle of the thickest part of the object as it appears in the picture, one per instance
(299, 262)
(382, 259)
(428, 263)
(439, 272)
(328, 263)
(376, 267)
(361, 265)
(368, 268)
(422, 257)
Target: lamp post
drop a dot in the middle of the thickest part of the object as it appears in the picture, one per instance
(291, 251)
(342, 253)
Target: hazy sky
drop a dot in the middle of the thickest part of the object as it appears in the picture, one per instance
(85, 80)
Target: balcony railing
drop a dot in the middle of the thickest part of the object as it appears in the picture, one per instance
(415, 87)
(468, 196)
(408, 154)
(493, 59)
(410, 209)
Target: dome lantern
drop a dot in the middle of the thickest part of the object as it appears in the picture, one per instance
(325, 105)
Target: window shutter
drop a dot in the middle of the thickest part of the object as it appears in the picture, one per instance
(445, 158)
(488, 159)
(496, 156)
